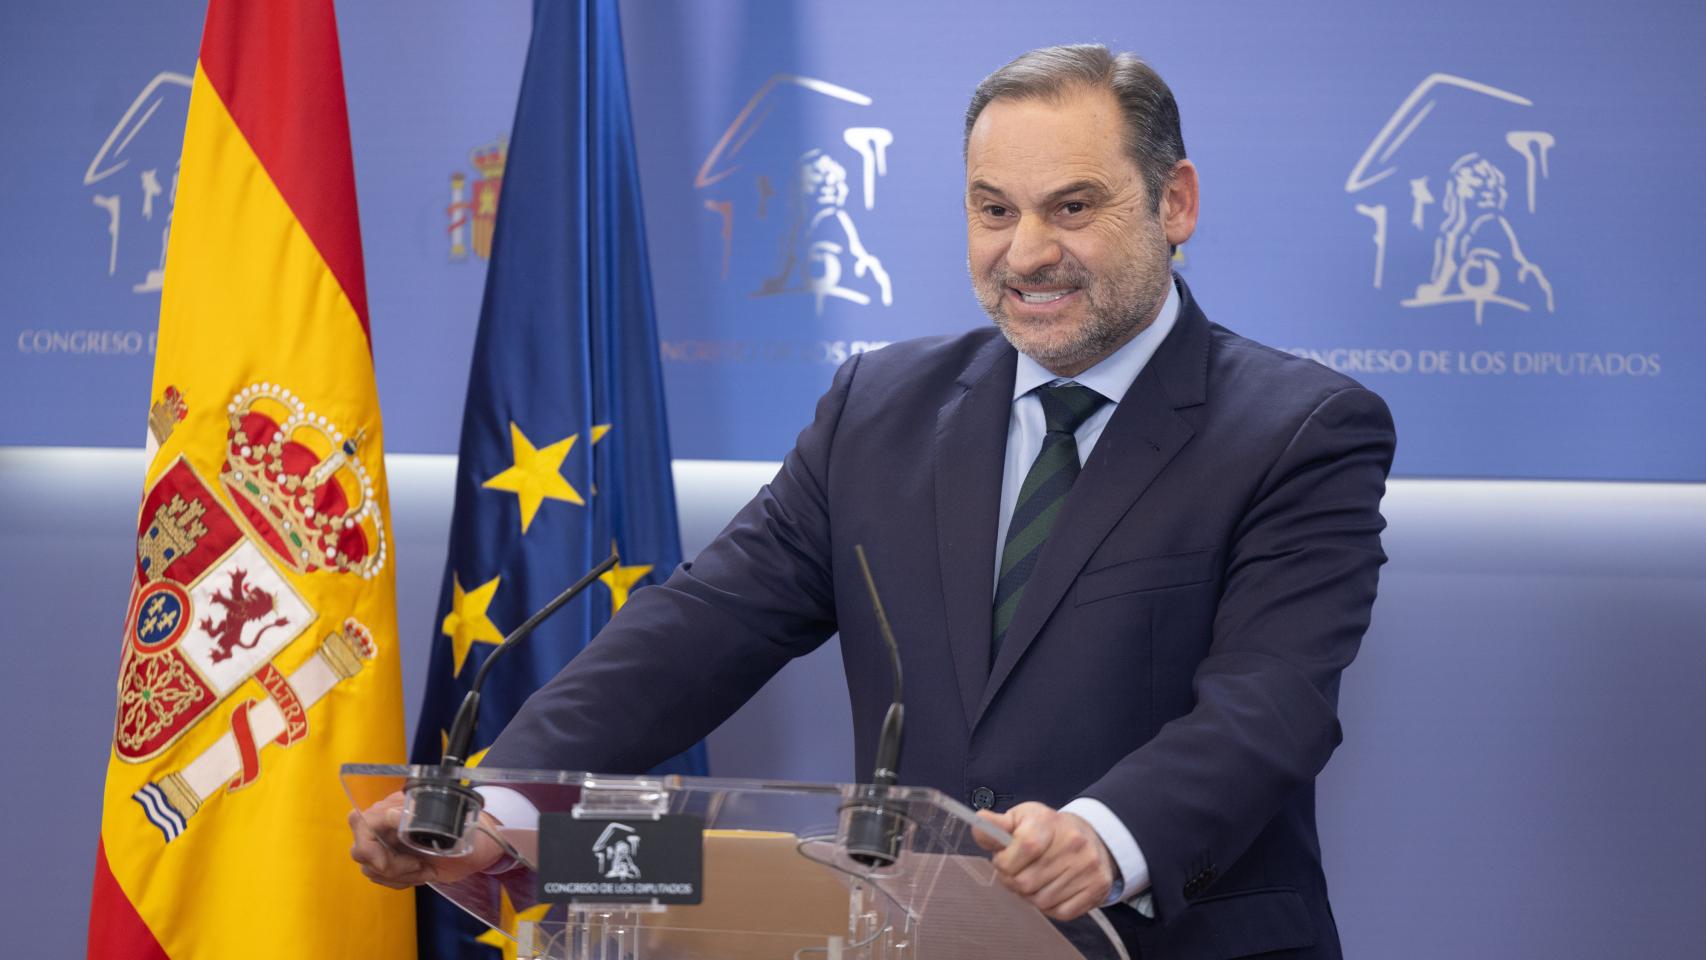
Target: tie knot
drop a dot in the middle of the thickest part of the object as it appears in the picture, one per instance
(1067, 405)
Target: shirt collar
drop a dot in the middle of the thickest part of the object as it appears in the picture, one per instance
(1114, 375)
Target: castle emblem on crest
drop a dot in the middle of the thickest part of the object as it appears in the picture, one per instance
(213, 606)
(479, 211)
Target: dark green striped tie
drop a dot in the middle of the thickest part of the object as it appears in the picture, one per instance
(1065, 408)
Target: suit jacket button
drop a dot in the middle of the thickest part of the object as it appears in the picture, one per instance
(982, 798)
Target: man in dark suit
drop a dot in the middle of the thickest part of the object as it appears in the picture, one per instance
(1127, 553)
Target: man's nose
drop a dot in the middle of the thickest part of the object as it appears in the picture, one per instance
(1034, 246)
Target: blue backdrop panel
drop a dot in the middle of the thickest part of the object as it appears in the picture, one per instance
(1472, 206)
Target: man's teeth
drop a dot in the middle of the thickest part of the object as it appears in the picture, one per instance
(1042, 297)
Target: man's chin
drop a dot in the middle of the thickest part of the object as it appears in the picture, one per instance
(1054, 353)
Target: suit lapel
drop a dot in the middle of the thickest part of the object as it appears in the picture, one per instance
(1141, 438)
(969, 451)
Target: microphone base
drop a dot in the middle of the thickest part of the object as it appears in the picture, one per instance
(438, 817)
(873, 833)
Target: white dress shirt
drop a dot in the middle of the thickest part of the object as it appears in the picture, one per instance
(1111, 378)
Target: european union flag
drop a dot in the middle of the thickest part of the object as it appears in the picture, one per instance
(564, 452)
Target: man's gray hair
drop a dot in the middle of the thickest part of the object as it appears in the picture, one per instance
(1152, 136)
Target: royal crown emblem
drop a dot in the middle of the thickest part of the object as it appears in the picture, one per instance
(299, 481)
(490, 159)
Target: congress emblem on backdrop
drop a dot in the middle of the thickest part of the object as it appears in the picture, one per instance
(212, 604)
(134, 180)
(474, 209)
(1452, 184)
(786, 199)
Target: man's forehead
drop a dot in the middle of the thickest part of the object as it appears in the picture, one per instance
(1076, 136)
(1094, 107)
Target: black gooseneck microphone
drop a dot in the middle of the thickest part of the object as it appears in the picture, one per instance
(440, 802)
(875, 829)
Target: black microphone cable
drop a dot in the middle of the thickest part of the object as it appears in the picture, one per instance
(441, 805)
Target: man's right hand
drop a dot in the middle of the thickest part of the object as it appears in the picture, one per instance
(385, 860)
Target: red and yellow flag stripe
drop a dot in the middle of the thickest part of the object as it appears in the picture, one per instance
(230, 841)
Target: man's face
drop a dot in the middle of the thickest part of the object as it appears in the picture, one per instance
(1064, 251)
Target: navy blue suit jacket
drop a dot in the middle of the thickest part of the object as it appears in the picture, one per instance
(1176, 655)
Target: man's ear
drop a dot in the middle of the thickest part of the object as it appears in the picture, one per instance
(1179, 203)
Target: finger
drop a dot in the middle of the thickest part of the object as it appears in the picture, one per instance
(386, 820)
(368, 851)
(1074, 892)
(1036, 877)
(384, 862)
(1033, 834)
(394, 868)
(985, 840)
(382, 825)
(1061, 888)
(385, 880)
(373, 846)
(361, 829)
(374, 824)
(1075, 907)
(1048, 865)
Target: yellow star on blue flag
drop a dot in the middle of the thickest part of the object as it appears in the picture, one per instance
(536, 474)
(621, 579)
(467, 623)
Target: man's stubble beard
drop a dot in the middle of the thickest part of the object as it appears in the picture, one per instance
(1116, 306)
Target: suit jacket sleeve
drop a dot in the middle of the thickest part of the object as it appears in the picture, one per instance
(680, 657)
(1302, 567)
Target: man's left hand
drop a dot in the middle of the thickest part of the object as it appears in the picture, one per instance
(1056, 861)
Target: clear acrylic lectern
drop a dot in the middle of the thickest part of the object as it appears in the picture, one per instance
(778, 881)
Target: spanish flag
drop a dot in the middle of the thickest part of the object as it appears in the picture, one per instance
(260, 646)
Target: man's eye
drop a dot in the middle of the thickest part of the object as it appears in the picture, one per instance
(1074, 207)
(995, 210)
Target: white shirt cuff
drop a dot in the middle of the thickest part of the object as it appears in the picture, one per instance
(1134, 869)
(512, 809)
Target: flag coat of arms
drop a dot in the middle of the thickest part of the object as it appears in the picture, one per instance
(564, 454)
(259, 648)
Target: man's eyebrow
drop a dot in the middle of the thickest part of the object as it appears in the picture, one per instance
(1092, 187)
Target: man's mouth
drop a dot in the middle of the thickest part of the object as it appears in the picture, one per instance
(1042, 296)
